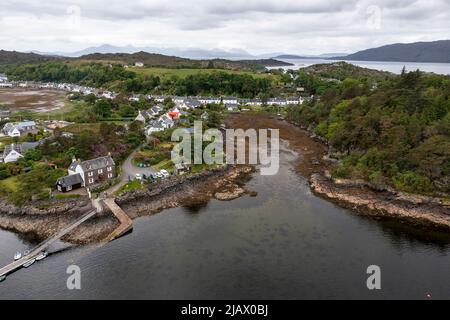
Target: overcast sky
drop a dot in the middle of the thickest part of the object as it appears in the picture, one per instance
(258, 26)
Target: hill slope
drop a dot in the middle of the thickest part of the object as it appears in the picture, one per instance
(159, 60)
(437, 51)
(342, 70)
(14, 57)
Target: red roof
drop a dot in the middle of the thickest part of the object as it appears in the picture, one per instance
(174, 115)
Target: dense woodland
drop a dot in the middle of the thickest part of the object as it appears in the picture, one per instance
(118, 78)
(395, 132)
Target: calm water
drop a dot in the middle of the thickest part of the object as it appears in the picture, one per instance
(394, 67)
(283, 244)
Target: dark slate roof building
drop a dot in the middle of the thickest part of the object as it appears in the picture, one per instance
(68, 183)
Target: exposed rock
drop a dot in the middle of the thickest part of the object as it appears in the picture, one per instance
(42, 207)
(234, 193)
(417, 209)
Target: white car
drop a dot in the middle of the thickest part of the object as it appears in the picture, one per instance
(156, 175)
(138, 176)
(164, 173)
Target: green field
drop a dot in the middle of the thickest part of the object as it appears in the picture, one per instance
(10, 184)
(183, 73)
(80, 127)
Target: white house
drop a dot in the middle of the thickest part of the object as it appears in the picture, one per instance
(134, 99)
(139, 64)
(191, 104)
(14, 152)
(230, 100)
(154, 126)
(254, 102)
(144, 116)
(231, 107)
(277, 102)
(166, 121)
(177, 99)
(108, 95)
(209, 100)
(19, 128)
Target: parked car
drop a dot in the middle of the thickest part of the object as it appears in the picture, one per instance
(164, 173)
(139, 176)
(156, 176)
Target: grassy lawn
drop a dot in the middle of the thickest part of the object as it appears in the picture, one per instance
(131, 186)
(166, 165)
(10, 184)
(183, 73)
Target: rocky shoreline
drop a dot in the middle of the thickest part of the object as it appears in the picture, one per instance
(45, 218)
(224, 184)
(359, 196)
(420, 211)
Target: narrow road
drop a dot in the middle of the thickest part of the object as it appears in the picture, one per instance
(129, 171)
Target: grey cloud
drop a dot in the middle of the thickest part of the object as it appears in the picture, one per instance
(287, 7)
(254, 25)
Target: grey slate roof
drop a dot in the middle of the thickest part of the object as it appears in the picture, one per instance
(94, 164)
(21, 148)
(71, 180)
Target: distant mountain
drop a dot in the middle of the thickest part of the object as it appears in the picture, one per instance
(191, 53)
(330, 55)
(437, 51)
(291, 57)
(298, 57)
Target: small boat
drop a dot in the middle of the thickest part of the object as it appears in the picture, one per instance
(42, 256)
(2, 278)
(26, 253)
(29, 263)
(17, 256)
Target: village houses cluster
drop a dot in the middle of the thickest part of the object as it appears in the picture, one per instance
(93, 172)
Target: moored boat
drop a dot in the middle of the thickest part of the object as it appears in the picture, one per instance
(2, 278)
(29, 263)
(42, 256)
(17, 256)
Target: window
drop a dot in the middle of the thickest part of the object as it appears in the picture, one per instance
(100, 171)
(91, 180)
(110, 175)
(109, 169)
(90, 174)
